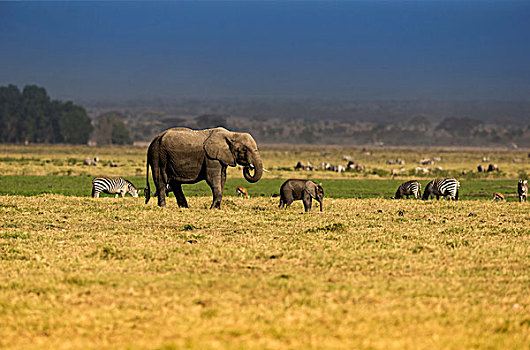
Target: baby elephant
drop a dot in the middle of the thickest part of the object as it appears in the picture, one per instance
(305, 190)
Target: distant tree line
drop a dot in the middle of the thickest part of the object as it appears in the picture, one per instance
(31, 115)
(111, 129)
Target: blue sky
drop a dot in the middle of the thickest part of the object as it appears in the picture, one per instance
(354, 50)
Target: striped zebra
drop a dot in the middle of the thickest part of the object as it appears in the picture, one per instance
(442, 187)
(522, 190)
(409, 188)
(112, 185)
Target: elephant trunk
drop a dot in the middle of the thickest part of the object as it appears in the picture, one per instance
(255, 161)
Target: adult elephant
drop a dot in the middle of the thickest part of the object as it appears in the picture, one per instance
(183, 156)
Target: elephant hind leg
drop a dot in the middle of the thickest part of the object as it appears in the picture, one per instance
(161, 192)
(176, 187)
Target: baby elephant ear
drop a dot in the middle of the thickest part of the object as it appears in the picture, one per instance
(218, 146)
(311, 188)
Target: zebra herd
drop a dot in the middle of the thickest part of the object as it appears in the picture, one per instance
(447, 187)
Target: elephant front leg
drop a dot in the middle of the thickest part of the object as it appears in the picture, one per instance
(306, 199)
(215, 177)
(307, 204)
(176, 187)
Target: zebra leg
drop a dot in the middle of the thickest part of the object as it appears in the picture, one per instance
(95, 194)
(117, 194)
(176, 187)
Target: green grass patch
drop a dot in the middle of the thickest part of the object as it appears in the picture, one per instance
(32, 185)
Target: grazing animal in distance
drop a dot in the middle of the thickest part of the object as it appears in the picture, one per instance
(299, 166)
(522, 190)
(442, 187)
(305, 190)
(242, 191)
(498, 197)
(113, 185)
(409, 188)
(492, 167)
(337, 168)
(91, 161)
(480, 168)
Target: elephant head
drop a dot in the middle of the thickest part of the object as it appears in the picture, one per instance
(232, 148)
(315, 191)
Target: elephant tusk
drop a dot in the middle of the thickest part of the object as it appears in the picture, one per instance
(251, 166)
(265, 170)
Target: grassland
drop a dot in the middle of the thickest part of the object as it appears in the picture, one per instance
(370, 273)
(280, 160)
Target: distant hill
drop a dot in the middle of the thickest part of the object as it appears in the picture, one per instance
(322, 121)
(318, 109)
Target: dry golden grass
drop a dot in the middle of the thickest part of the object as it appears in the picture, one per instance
(68, 160)
(366, 274)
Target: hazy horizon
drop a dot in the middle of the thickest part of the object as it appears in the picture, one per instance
(379, 50)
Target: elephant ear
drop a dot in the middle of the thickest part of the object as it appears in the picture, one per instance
(311, 189)
(218, 146)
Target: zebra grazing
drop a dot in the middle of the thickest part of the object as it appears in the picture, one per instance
(409, 188)
(242, 191)
(522, 190)
(113, 185)
(442, 187)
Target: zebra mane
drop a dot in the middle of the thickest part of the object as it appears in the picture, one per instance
(130, 183)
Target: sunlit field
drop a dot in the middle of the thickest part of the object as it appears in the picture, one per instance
(279, 160)
(366, 273)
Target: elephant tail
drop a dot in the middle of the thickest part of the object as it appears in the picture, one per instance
(147, 191)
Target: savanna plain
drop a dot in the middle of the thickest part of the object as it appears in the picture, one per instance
(366, 273)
